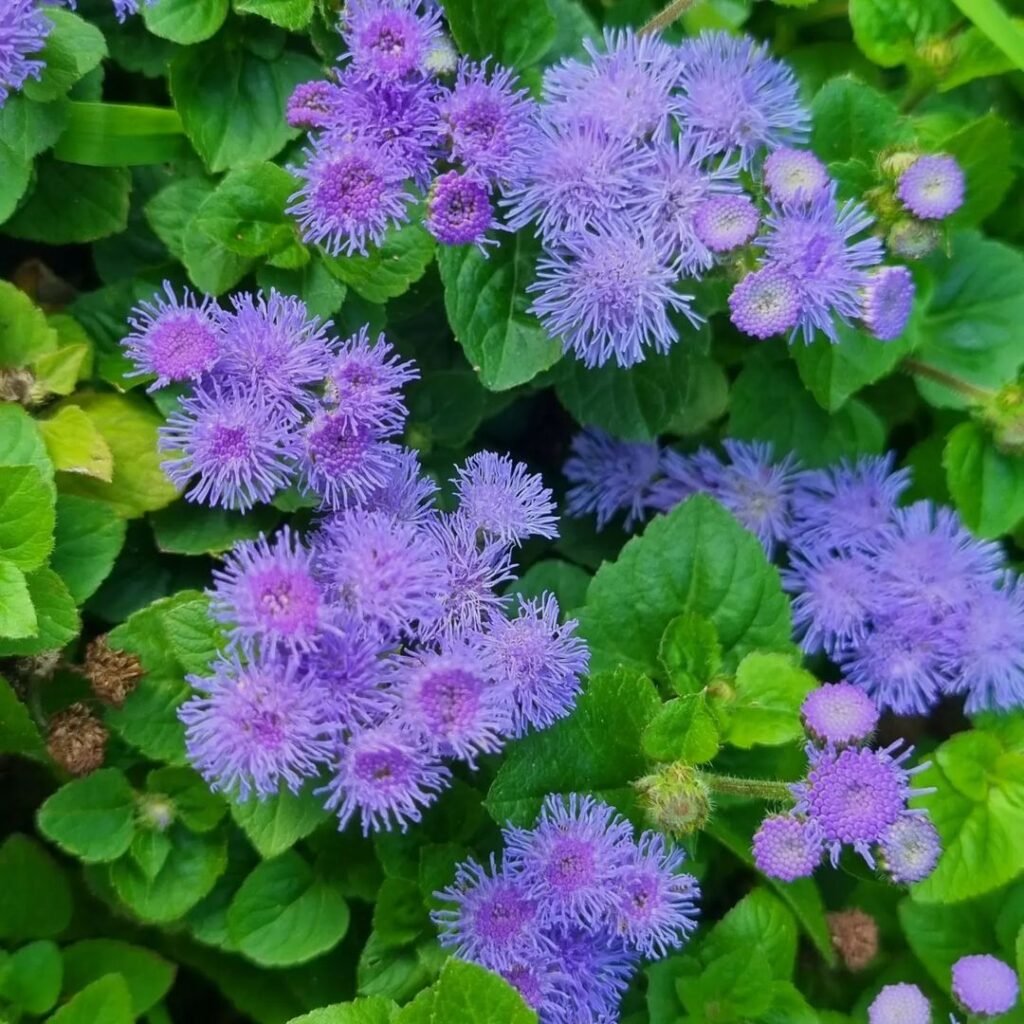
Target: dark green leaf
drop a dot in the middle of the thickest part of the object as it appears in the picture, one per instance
(987, 485)
(31, 979)
(518, 35)
(106, 999)
(92, 818)
(854, 120)
(148, 976)
(185, 21)
(35, 898)
(293, 15)
(388, 270)
(88, 539)
(26, 517)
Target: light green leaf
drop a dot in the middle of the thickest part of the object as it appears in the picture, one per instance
(17, 615)
(87, 541)
(368, 1010)
(20, 441)
(24, 332)
(683, 730)
(185, 21)
(769, 690)
(31, 979)
(56, 616)
(468, 994)
(285, 913)
(853, 121)
(26, 517)
(72, 49)
(760, 925)
(293, 15)
(890, 31)
(690, 652)
(148, 976)
(92, 818)
(75, 444)
(35, 898)
(106, 999)
(58, 372)
(388, 270)
(18, 733)
(987, 485)
(276, 824)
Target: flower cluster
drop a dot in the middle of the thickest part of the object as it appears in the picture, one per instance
(571, 910)
(983, 986)
(853, 796)
(389, 136)
(378, 647)
(905, 600)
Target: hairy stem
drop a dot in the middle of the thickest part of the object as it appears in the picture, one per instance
(674, 9)
(961, 387)
(761, 789)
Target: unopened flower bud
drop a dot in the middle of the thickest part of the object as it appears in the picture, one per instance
(675, 798)
(937, 54)
(77, 740)
(895, 162)
(913, 239)
(111, 674)
(156, 811)
(855, 937)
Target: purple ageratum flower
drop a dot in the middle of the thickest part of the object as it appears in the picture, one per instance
(23, 32)
(364, 381)
(983, 649)
(124, 8)
(758, 490)
(493, 919)
(474, 569)
(239, 446)
(450, 699)
(684, 476)
(900, 1004)
(795, 176)
(834, 596)
(575, 177)
(599, 969)
(656, 910)
(609, 476)
(787, 847)
(345, 661)
(766, 302)
(544, 988)
(266, 593)
(384, 775)
(910, 849)
(539, 660)
(839, 714)
(674, 189)
(408, 494)
(311, 104)
(608, 294)
(175, 340)
(848, 505)
(499, 497)
(573, 859)
(255, 725)
(932, 187)
(272, 344)
(853, 795)
(351, 194)
(814, 243)
(343, 462)
(626, 89)
(459, 210)
(736, 99)
(898, 662)
(985, 985)
(726, 222)
(388, 573)
(488, 121)
(390, 39)
(887, 301)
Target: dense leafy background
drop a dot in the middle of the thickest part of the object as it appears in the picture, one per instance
(133, 893)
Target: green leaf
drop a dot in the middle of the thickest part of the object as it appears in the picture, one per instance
(15, 176)
(172, 209)
(17, 615)
(683, 730)
(975, 56)
(185, 21)
(73, 204)
(596, 749)
(770, 404)
(769, 690)
(187, 529)
(25, 333)
(969, 327)
(853, 120)
(246, 215)
(978, 808)
(486, 301)
(293, 15)
(734, 987)
(983, 148)
(20, 441)
(58, 372)
(682, 389)
(75, 444)
(285, 913)
(468, 994)
(690, 652)
(566, 581)
(835, 372)
(88, 539)
(232, 99)
(276, 824)
(998, 26)
(106, 999)
(192, 868)
(368, 1010)
(518, 34)
(31, 979)
(72, 49)
(696, 558)
(212, 268)
(193, 802)
(28, 128)
(760, 925)
(445, 408)
(389, 270)
(18, 733)
(148, 976)
(92, 818)
(320, 290)
(121, 135)
(26, 517)
(987, 485)
(129, 425)
(890, 32)
(35, 898)
(56, 616)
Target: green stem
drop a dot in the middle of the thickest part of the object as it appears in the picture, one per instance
(34, 703)
(761, 789)
(675, 9)
(947, 380)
